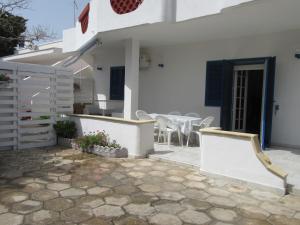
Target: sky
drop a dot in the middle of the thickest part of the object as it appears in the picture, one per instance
(57, 15)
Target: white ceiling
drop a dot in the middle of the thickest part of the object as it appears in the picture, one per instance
(254, 18)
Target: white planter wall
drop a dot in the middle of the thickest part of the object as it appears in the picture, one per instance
(135, 136)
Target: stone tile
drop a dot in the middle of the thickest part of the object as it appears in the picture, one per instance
(27, 206)
(145, 163)
(222, 223)
(195, 184)
(291, 201)
(13, 197)
(130, 221)
(264, 195)
(237, 188)
(97, 190)
(195, 194)
(3, 209)
(194, 217)
(195, 177)
(108, 211)
(126, 189)
(172, 196)
(176, 172)
(58, 186)
(77, 215)
(218, 192)
(150, 188)
(42, 217)
(97, 221)
(138, 175)
(283, 220)
(128, 164)
(195, 204)
(11, 219)
(169, 208)
(297, 215)
(246, 221)
(44, 195)
(58, 204)
(253, 212)
(90, 202)
(221, 201)
(243, 199)
(156, 173)
(175, 179)
(84, 184)
(165, 219)
(72, 192)
(172, 186)
(277, 209)
(226, 215)
(141, 198)
(33, 187)
(65, 178)
(117, 200)
(140, 209)
(109, 182)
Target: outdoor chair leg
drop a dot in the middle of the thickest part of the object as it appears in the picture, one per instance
(169, 139)
(188, 140)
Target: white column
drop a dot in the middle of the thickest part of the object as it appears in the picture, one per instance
(131, 89)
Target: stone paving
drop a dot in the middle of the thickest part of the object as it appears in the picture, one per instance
(60, 187)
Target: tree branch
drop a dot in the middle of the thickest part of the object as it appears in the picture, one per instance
(11, 5)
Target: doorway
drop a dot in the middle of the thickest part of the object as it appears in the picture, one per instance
(247, 98)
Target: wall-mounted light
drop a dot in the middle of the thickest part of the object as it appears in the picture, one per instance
(297, 55)
(161, 65)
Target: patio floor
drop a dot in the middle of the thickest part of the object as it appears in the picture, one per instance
(57, 186)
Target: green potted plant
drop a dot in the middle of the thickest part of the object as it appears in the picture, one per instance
(66, 132)
(4, 80)
(99, 143)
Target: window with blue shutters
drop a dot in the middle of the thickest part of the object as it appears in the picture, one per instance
(214, 76)
(117, 81)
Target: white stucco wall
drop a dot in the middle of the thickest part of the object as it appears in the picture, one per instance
(189, 9)
(180, 85)
(136, 137)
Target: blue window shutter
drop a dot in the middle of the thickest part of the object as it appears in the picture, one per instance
(213, 89)
(117, 81)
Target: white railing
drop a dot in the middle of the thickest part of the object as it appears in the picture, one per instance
(31, 102)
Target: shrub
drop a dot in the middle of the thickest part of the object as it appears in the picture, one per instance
(4, 77)
(99, 138)
(65, 129)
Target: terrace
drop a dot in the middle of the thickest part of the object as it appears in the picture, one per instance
(60, 186)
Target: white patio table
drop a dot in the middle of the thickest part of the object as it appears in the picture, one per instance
(185, 122)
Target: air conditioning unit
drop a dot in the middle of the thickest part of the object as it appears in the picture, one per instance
(145, 61)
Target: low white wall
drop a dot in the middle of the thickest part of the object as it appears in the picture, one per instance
(237, 156)
(135, 136)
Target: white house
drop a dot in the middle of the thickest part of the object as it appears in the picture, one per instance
(233, 59)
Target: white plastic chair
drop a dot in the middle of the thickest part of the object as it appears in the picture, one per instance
(192, 114)
(166, 128)
(175, 113)
(142, 115)
(203, 124)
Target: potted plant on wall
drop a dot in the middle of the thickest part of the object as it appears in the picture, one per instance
(4, 80)
(99, 143)
(66, 132)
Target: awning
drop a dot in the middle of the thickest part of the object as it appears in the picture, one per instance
(125, 6)
(84, 18)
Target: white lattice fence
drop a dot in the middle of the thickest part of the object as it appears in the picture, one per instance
(33, 100)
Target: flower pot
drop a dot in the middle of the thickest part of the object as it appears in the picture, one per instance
(109, 152)
(66, 142)
(4, 84)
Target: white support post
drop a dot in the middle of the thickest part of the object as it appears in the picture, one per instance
(131, 89)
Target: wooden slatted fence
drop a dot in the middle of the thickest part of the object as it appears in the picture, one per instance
(30, 104)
